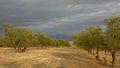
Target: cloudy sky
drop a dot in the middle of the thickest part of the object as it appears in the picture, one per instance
(57, 16)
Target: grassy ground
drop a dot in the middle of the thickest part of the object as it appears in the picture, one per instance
(64, 57)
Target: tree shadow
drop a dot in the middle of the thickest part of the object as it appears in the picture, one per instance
(74, 56)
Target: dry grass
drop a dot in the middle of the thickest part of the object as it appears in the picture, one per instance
(49, 58)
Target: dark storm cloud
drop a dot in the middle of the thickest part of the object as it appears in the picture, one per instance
(57, 16)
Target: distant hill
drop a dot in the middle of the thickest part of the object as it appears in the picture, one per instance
(61, 36)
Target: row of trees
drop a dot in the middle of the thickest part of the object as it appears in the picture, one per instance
(95, 39)
(21, 38)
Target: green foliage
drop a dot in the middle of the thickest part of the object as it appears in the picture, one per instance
(17, 37)
(113, 33)
(94, 38)
(90, 38)
(1, 41)
(61, 42)
(112, 38)
(21, 38)
(46, 41)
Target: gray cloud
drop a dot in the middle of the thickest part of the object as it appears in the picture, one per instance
(57, 16)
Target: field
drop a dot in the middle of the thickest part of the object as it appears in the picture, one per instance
(63, 57)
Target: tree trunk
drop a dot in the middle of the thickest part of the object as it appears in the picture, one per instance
(15, 48)
(23, 50)
(89, 50)
(97, 57)
(104, 58)
(19, 49)
(93, 52)
(113, 58)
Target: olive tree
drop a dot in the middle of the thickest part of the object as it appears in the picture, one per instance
(90, 39)
(8, 34)
(96, 38)
(17, 37)
(1, 41)
(113, 36)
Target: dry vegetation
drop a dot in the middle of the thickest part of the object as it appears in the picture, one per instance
(64, 57)
(38, 50)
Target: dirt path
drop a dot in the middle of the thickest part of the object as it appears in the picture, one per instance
(47, 58)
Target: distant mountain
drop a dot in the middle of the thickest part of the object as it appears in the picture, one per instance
(61, 36)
